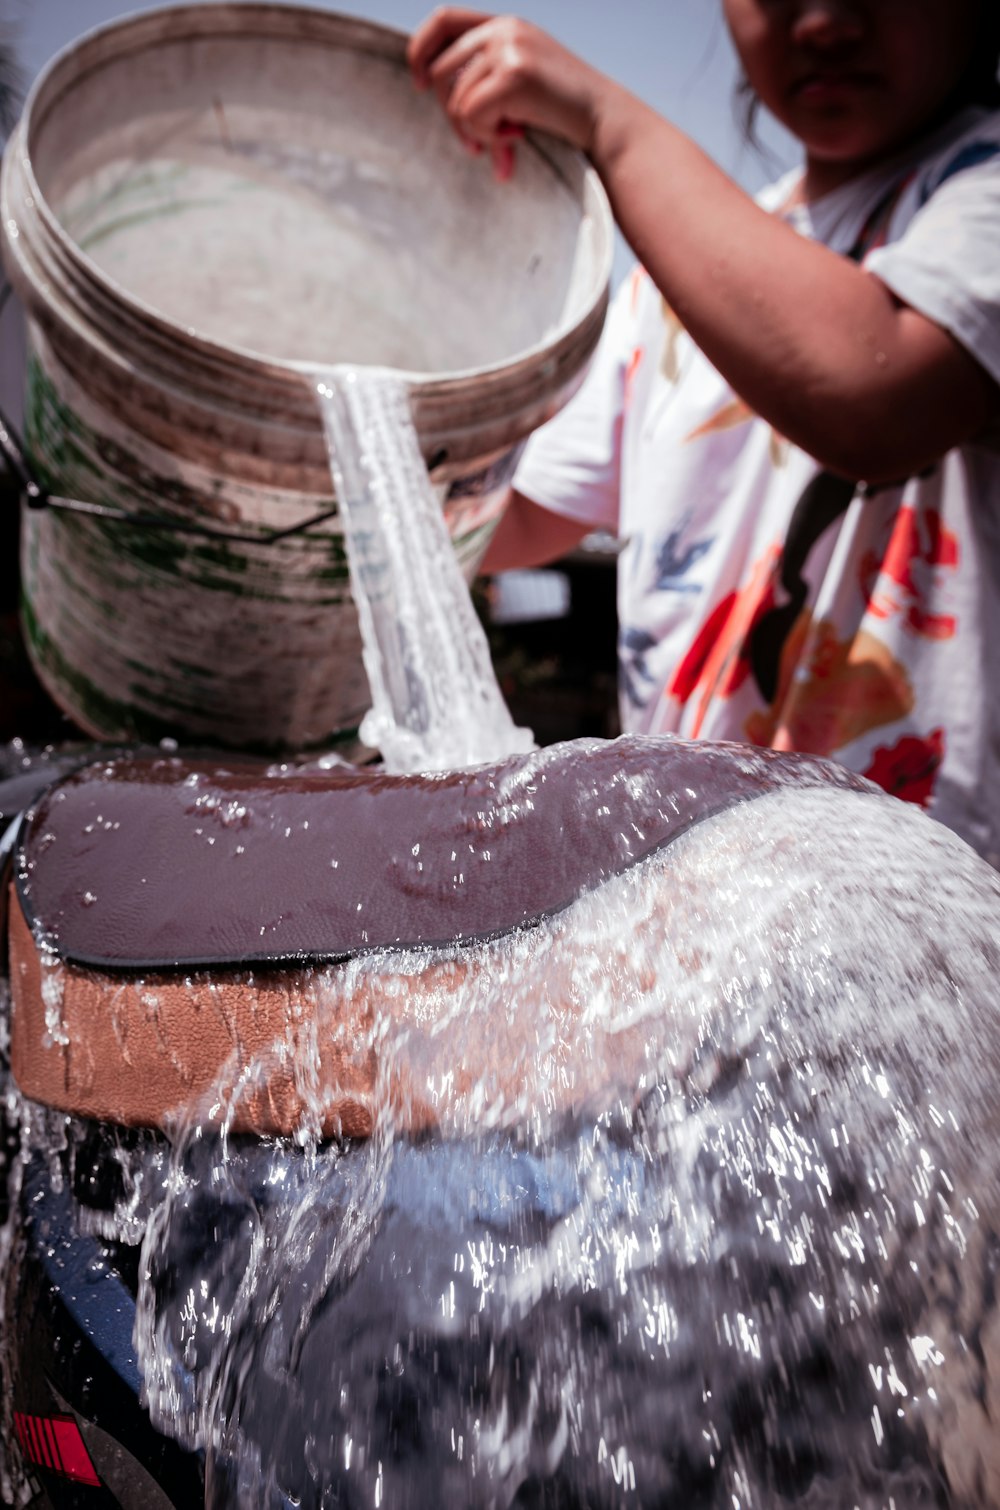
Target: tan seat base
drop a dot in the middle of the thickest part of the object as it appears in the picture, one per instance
(152, 1051)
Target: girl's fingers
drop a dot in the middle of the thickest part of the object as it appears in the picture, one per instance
(471, 46)
(469, 97)
(504, 161)
(478, 106)
(435, 35)
(494, 75)
(453, 94)
(450, 71)
(473, 104)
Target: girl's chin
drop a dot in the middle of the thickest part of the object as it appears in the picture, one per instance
(845, 155)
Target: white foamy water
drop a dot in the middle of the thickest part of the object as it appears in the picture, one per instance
(435, 700)
(735, 1110)
(709, 1217)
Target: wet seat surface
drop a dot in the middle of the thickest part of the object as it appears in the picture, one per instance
(167, 863)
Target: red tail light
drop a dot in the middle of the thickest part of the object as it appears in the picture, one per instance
(54, 1442)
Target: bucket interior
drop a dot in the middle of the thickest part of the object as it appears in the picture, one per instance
(270, 179)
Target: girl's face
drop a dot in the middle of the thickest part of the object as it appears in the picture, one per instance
(854, 80)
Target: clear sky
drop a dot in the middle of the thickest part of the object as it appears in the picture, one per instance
(673, 53)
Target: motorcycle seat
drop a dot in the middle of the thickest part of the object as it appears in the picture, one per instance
(170, 917)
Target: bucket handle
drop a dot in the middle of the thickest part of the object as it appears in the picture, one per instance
(34, 496)
(37, 498)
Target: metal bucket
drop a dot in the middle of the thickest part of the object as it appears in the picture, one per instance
(199, 206)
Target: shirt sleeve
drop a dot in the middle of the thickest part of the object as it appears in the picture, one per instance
(572, 465)
(946, 263)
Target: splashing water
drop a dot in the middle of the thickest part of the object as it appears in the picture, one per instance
(435, 700)
(722, 1235)
(715, 1221)
(688, 1196)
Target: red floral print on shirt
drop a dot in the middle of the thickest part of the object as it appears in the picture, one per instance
(903, 579)
(716, 664)
(909, 769)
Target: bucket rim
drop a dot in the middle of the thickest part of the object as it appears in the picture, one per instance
(386, 41)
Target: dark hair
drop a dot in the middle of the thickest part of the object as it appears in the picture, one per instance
(746, 108)
(980, 84)
(11, 87)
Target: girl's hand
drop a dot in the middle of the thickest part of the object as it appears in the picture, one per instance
(814, 344)
(495, 75)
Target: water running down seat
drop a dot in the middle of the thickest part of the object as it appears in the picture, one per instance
(175, 924)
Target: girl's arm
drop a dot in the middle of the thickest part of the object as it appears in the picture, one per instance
(529, 535)
(818, 347)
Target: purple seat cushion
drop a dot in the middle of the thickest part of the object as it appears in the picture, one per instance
(169, 863)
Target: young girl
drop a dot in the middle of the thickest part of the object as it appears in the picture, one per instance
(793, 420)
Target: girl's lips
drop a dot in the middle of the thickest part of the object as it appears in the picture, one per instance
(830, 87)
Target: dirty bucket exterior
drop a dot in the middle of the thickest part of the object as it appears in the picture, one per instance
(200, 207)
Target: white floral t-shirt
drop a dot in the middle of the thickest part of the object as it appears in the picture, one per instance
(761, 599)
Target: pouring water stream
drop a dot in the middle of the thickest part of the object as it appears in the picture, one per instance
(435, 700)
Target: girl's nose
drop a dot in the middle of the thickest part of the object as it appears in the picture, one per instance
(827, 23)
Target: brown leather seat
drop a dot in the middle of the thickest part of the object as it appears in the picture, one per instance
(192, 938)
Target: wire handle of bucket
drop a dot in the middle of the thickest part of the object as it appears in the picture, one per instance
(36, 496)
